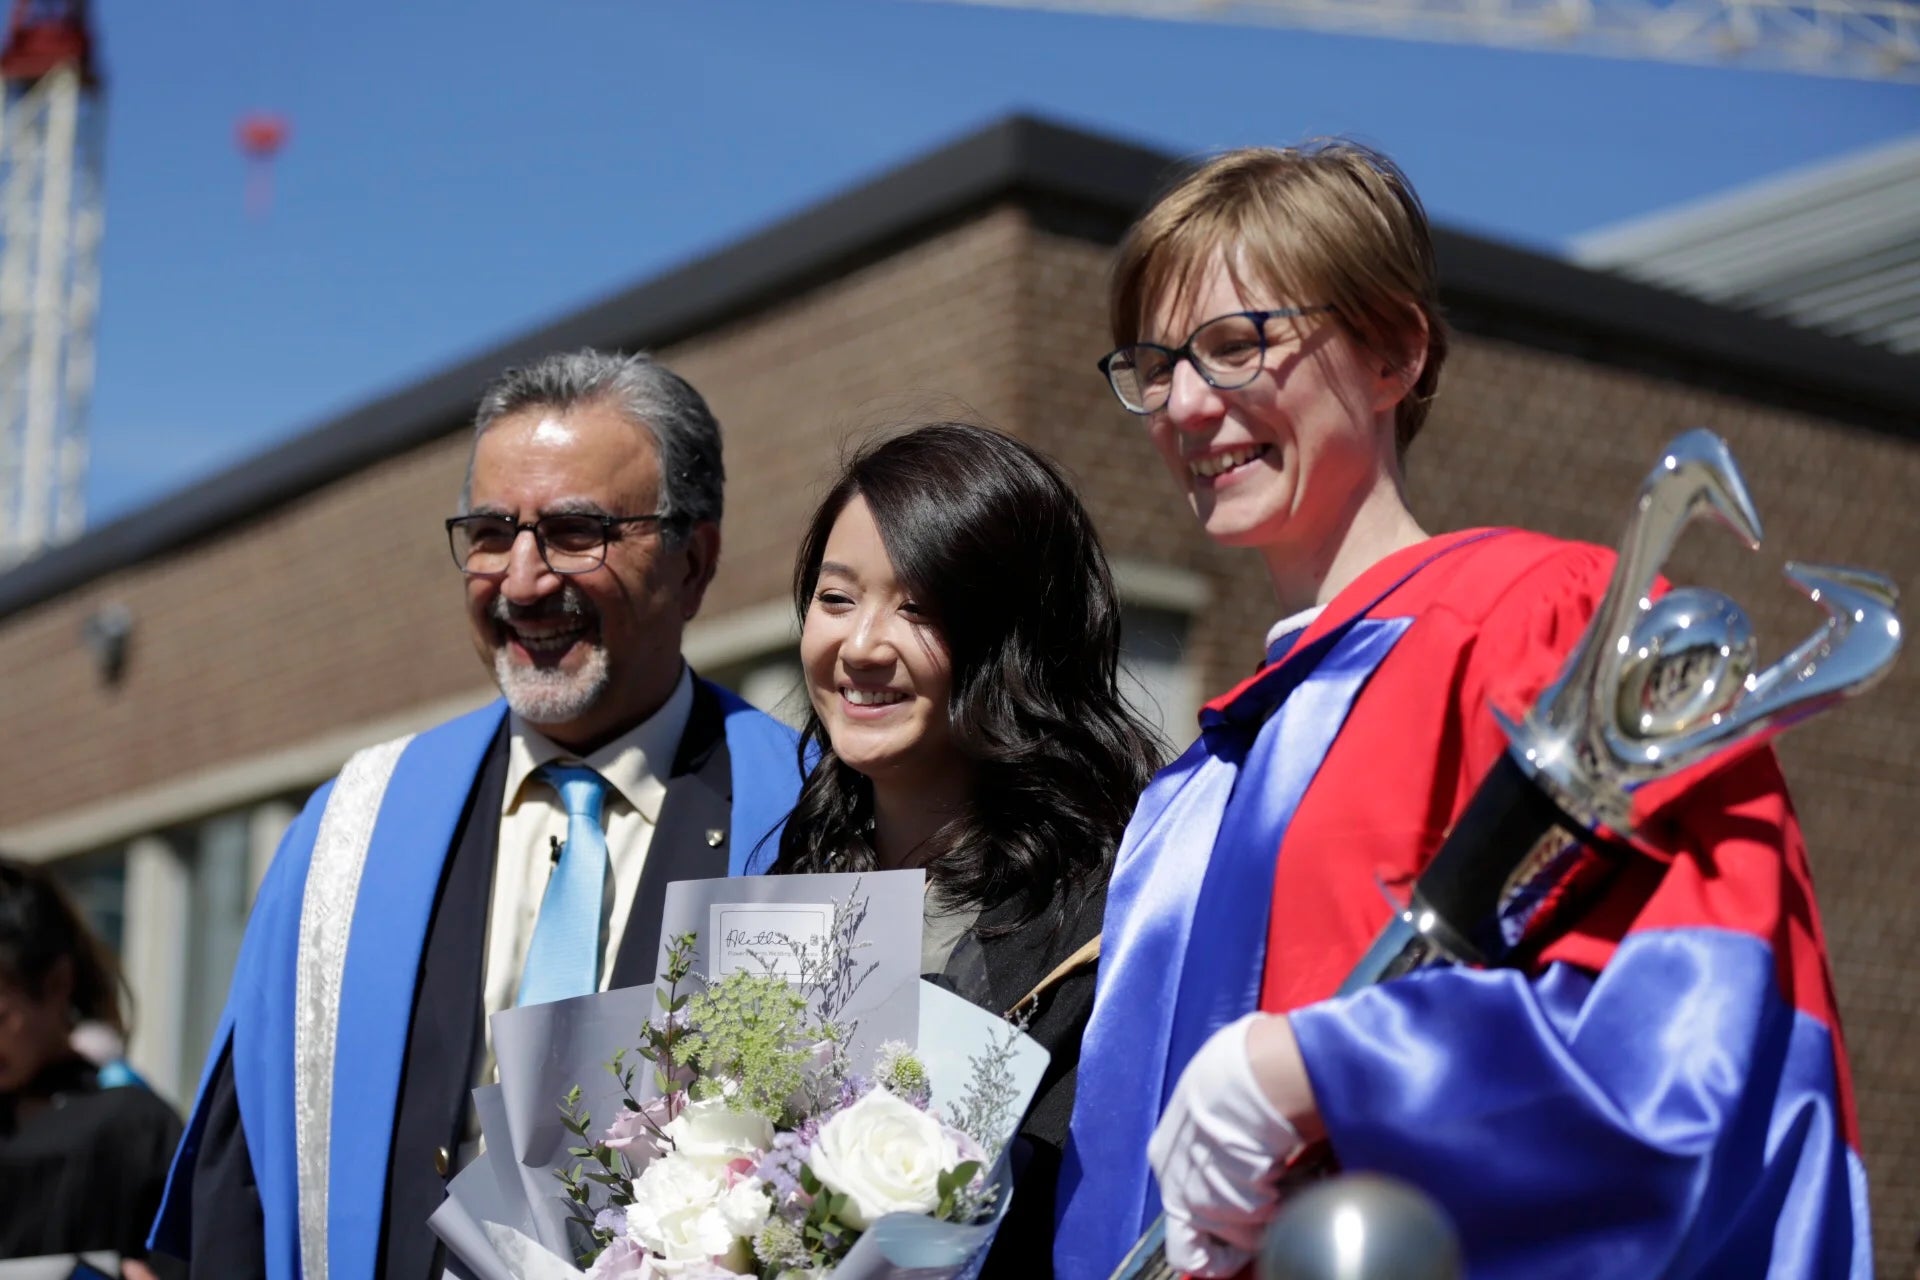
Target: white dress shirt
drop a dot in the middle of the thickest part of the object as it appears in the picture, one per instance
(636, 766)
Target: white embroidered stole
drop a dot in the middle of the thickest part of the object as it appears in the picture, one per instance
(326, 921)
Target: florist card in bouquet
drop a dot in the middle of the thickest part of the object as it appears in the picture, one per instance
(778, 924)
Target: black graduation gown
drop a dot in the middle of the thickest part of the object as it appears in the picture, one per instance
(1015, 963)
(83, 1170)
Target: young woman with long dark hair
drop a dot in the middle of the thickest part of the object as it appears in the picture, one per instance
(960, 639)
(82, 1159)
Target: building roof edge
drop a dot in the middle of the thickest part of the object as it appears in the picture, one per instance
(1021, 157)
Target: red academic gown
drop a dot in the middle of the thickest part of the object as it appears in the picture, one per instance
(1661, 1090)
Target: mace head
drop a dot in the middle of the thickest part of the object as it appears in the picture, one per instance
(1361, 1226)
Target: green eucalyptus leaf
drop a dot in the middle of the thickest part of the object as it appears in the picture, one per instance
(960, 1175)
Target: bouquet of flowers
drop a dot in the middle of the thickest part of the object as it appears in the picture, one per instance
(740, 1135)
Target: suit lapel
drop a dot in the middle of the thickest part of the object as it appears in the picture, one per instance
(691, 839)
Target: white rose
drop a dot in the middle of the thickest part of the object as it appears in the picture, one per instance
(676, 1212)
(712, 1134)
(746, 1207)
(885, 1155)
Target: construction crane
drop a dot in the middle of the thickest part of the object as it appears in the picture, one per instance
(1856, 39)
(51, 116)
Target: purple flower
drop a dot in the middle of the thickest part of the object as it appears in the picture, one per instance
(636, 1134)
(780, 1167)
(622, 1260)
(969, 1149)
(707, 1270)
(852, 1089)
(613, 1220)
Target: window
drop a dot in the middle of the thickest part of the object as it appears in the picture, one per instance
(1154, 673)
(219, 893)
(97, 883)
(770, 682)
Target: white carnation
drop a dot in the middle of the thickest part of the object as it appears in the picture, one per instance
(676, 1212)
(746, 1207)
(885, 1155)
(712, 1134)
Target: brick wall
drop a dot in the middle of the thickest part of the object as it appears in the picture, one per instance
(342, 607)
(924, 333)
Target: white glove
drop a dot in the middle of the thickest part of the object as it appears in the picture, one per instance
(1218, 1152)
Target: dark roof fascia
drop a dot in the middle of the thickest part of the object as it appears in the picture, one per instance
(1500, 291)
(1014, 155)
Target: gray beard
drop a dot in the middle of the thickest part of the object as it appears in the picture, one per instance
(546, 695)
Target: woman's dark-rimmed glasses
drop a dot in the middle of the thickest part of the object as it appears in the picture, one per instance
(569, 543)
(1228, 351)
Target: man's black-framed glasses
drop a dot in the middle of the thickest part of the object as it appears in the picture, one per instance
(1228, 351)
(568, 542)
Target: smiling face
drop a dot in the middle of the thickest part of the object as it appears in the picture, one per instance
(584, 656)
(877, 669)
(1284, 462)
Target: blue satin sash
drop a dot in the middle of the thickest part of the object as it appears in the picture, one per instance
(1303, 704)
(434, 775)
(1705, 1110)
(394, 907)
(765, 760)
(1185, 937)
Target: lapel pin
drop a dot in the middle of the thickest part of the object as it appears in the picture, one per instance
(714, 836)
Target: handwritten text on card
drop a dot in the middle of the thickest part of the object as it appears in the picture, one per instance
(765, 938)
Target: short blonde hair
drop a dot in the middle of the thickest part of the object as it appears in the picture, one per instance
(1327, 222)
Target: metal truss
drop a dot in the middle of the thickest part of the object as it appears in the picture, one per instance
(50, 225)
(1856, 39)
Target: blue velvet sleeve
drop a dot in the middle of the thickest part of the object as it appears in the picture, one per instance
(1672, 1116)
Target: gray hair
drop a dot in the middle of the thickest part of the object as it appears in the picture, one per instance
(685, 434)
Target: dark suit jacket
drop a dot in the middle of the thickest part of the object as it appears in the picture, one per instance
(445, 1039)
(1015, 963)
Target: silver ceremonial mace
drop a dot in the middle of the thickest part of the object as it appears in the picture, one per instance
(1654, 689)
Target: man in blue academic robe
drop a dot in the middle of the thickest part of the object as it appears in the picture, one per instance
(516, 854)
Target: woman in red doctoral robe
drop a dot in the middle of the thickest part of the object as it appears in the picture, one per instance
(1659, 1088)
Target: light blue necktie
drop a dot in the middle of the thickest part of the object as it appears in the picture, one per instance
(564, 958)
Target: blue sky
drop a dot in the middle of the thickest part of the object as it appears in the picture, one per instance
(460, 170)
